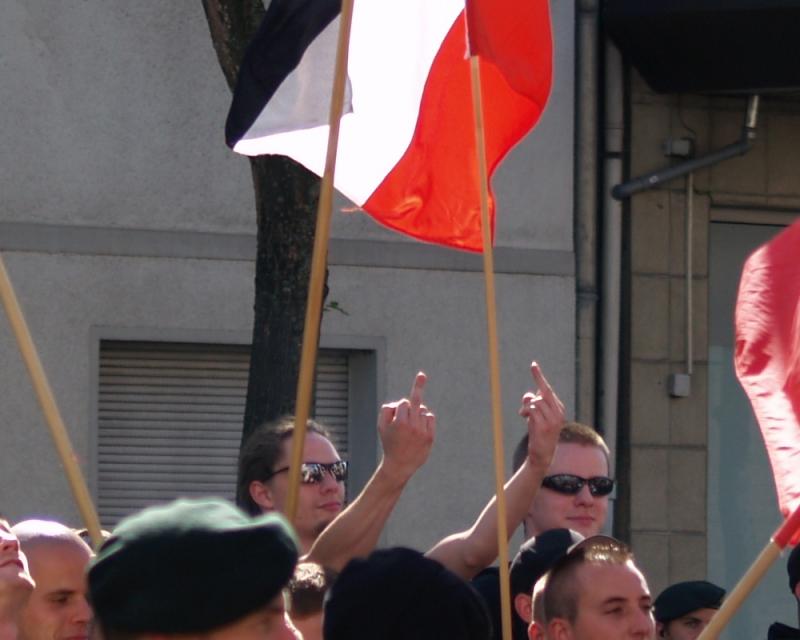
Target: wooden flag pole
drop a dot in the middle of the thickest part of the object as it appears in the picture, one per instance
(755, 573)
(308, 356)
(494, 357)
(48, 403)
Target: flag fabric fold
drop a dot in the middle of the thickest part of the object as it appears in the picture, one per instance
(767, 356)
(407, 150)
(499, 31)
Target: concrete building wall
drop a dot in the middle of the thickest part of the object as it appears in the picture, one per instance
(123, 214)
(670, 497)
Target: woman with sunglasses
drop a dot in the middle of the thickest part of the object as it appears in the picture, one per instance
(406, 429)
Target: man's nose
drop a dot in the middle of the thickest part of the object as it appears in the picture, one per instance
(8, 542)
(643, 626)
(328, 482)
(584, 496)
(82, 612)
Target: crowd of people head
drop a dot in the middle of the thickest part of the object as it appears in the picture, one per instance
(206, 569)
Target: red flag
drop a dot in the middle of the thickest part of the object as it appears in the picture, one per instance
(407, 151)
(515, 37)
(768, 355)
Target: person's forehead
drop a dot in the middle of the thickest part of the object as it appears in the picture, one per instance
(601, 582)
(316, 448)
(60, 556)
(60, 577)
(579, 459)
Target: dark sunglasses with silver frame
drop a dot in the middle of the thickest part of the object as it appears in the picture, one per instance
(570, 485)
(314, 472)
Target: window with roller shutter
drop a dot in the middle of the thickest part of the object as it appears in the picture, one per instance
(170, 419)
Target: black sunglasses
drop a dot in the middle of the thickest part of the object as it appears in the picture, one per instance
(314, 472)
(570, 485)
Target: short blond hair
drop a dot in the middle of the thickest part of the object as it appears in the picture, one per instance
(573, 433)
(562, 591)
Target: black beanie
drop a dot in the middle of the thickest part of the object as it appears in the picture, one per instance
(399, 594)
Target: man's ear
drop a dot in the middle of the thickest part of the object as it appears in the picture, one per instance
(262, 495)
(661, 630)
(559, 629)
(522, 605)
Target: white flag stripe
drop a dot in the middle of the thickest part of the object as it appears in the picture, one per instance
(392, 48)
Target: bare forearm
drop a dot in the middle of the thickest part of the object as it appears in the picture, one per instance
(468, 552)
(356, 530)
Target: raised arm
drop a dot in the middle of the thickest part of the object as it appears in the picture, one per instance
(468, 552)
(406, 429)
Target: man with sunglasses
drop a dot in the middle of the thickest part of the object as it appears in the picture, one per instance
(406, 429)
(263, 476)
(468, 552)
(576, 488)
(573, 496)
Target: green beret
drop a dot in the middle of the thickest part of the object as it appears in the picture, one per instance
(189, 566)
(682, 598)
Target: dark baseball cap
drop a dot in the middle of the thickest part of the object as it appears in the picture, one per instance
(189, 566)
(682, 598)
(537, 555)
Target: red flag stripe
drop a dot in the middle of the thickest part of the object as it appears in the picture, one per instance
(432, 193)
(516, 38)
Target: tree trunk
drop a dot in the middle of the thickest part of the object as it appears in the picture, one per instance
(286, 205)
(286, 199)
(232, 24)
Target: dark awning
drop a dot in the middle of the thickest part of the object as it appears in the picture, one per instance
(709, 45)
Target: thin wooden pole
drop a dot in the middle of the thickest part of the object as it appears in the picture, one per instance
(754, 574)
(308, 356)
(48, 403)
(494, 357)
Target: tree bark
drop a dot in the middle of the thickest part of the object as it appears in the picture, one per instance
(232, 24)
(286, 197)
(286, 201)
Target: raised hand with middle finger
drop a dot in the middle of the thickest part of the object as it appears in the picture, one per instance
(544, 414)
(407, 429)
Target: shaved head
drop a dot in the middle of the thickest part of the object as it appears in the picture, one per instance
(58, 558)
(33, 532)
